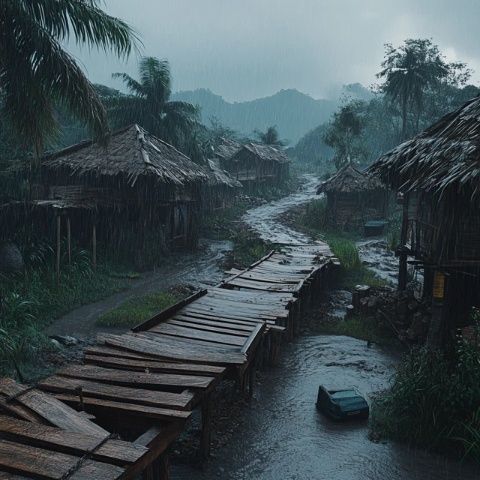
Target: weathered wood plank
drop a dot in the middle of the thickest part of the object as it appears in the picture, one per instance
(150, 380)
(185, 332)
(55, 412)
(141, 365)
(181, 401)
(116, 452)
(125, 409)
(169, 349)
(40, 463)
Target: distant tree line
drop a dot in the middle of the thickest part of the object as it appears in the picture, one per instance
(418, 86)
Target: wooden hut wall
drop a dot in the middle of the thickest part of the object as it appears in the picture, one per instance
(350, 210)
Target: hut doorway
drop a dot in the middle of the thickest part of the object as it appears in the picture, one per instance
(179, 224)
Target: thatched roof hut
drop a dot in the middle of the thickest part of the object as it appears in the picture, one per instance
(156, 188)
(350, 179)
(131, 153)
(438, 173)
(220, 178)
(353, 198)
(227, 148)
(253, 163)
(443, 158)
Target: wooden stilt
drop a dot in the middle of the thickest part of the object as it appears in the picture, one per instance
(69, 241)
(206, 426)
(94, 247)
(59, 246)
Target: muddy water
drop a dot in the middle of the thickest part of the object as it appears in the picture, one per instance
(265, 219)
(282, 436)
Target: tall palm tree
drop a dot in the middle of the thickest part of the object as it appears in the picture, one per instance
(36, 73)
(270, 137)
(149, 104)
(409, 72)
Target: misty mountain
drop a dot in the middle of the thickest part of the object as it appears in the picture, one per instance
(294, 113)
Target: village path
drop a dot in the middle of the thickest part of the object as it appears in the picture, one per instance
(200, 269)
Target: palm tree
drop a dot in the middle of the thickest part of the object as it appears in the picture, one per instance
(149, 104)
(37, 74)
(409, 72)
(270, 137)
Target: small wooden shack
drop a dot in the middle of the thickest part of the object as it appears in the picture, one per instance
(437, 175)
(353, 198)
(221, 188)
(253, 164)
(139, 189)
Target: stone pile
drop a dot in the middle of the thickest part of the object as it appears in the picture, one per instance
(407, 316)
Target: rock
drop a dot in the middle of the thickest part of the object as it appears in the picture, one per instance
(66, 340)
(11, 259)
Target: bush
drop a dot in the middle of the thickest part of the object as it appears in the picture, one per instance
(315, 215)
(346, 251)
(434, 402)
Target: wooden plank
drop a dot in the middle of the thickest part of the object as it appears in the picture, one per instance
(101, 405)
(217, 327)
(181, 401)
(185, 332)
(253, 339)
(218, 318)
(157, 439)
(168, 312)
(151, 380)
(116, 452)
(55, 412)
(169, 349)
(238, 314)
(40, 463)
(141, 365)
(268, 287)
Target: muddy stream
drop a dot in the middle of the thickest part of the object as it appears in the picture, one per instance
(281, 435)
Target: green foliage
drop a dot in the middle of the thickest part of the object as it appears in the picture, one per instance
(434, 401)
(270, 137)
(36, 73)
(137, 310)
(411, 72)
(315, 215)
(344, 134)
(363, 328)
(150, 106)
(30, 301)
(248, 248)
(345, 250)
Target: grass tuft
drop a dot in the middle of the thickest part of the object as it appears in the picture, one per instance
(137, 310)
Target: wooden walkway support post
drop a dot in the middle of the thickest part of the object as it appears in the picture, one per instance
(205, 437)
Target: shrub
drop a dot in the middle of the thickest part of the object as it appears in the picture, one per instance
(346, 251)
(434, 401)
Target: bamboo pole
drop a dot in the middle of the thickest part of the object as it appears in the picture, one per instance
(57, 266)
(69, 241)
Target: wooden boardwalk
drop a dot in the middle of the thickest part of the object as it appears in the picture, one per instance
(145, 383)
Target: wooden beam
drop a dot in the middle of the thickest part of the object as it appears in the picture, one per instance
(57, 264)
(94, 247)
(69, 241)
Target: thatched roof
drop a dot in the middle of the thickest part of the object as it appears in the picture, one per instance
(265, 153)
(218, 177)
(445, 157)
(231, 150)
(227, 148)
(131, 153)
(349, 180)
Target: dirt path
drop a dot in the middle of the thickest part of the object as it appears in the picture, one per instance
(199, 269)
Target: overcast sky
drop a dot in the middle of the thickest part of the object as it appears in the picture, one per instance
(244, 49)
